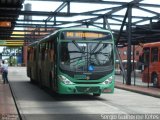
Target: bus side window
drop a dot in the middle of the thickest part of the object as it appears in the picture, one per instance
(51, 51)
(43, 48)
(31, 54)
(39, 54)
(154, 55)
(28, 53)
(46, 50)
(159, 54)
(34, 57)
(64, 52)
(146, 56)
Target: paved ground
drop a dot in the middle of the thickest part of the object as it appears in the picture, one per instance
(37, 104)
(7, 106)
(139, 87)
(134, 81)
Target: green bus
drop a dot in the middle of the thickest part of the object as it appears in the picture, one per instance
(74, 61)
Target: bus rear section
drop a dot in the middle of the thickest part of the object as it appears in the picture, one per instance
(151, 63)
(32, 62)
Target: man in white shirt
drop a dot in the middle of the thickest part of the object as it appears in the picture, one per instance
(4, 70)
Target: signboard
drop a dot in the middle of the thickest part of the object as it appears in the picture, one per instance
(85, 35)
(17, 33)
(5, 24)
(11, 42)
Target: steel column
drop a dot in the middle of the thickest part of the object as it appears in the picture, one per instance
(68, 7)
(121, 29)
(129, 68)
(104, 22)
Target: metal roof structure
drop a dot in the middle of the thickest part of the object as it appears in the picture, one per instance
(104, 15)
(128, 26)
(5, 18)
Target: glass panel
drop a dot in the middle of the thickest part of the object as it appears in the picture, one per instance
(154, 53)
(146, 55)
(86, 56)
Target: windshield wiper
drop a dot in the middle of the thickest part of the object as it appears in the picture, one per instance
(75, 43)
(96, 47)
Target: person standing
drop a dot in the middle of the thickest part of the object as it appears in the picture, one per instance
(4, 70)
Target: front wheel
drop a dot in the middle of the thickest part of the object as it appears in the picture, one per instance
(50, 81)
(96, 94)
(155, 80)
(40, 80)
(31, 80)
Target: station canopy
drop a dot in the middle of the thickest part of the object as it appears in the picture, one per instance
(30, 20)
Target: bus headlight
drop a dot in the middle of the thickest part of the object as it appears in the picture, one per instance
(108, 81)
(64, 80)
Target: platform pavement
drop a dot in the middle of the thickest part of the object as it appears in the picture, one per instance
(140, 87)
(8, 109)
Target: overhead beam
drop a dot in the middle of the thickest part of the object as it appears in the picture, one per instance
(22, 30)
(122, 26)
(108, 13)
(22, 35)
(38, 13)
(102, 2)
(86, 1)
(149, 11)
(57, 10)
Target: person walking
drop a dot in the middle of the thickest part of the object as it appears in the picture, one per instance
(4, 70)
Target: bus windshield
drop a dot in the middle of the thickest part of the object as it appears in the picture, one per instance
(86, 55)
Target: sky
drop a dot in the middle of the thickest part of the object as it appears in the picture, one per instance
(1, 49)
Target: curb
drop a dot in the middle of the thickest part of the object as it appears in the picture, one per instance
(137, 91)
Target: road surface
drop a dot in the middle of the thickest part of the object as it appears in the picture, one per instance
(37, 104)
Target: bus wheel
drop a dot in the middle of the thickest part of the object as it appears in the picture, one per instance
(40, 80)
(50, 81)
(155, 80)
(96, 94)
(31, 80)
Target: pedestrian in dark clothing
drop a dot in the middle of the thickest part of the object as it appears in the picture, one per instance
(4, 71)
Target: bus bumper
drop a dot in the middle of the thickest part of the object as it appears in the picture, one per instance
(85, 88)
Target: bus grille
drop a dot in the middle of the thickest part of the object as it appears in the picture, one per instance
(87, 89)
